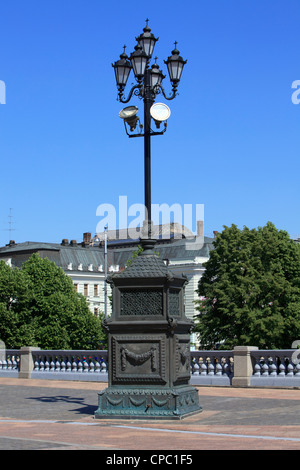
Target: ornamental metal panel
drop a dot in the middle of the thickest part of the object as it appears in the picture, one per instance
(174, 302)
(141, 302)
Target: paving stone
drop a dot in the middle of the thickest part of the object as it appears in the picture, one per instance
(36, 415)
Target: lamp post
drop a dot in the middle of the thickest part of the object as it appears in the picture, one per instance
(148, 331)
(149, 85)
(105, 271)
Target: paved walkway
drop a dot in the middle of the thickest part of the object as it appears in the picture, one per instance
(55, 415)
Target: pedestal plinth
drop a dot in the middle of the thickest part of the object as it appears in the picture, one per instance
(148, 344)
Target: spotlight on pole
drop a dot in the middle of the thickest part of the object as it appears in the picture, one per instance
(160, 112)
(129, 114)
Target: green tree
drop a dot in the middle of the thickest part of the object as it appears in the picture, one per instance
(39, 307)
(13, 288)
(250, 291)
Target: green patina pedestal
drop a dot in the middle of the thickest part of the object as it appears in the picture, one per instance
(148, 344)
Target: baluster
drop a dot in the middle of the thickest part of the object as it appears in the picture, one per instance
(195, 368)
(52, 366)
(79, 369)
(57, 366)
(98, 367)
(211, 369)
(272, 369)
(36, 365)
(4, 365)
(47, 366)
(290, 370)
(297, 374)
(63, 366)
(219, 369)
(257, 368)
(85, 366)
(203, 369)
(225, 368)
(281, 369)
(42, 366)
(103, 367)
(69, 366)
(265, 370)
(74, 366)
(92, 367)
(9, 364)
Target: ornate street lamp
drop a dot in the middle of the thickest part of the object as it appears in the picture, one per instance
(148, 333)
(122, 70)
(156, 76)
(147, 40)
(139, 60)
(175, 65)
(149, 85)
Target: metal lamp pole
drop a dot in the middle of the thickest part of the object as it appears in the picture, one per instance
(147, 88)
(148, 101)
(105, 272)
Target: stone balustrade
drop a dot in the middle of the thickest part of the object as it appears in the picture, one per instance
(71, 364)
(275, 368)
(244, 366)
(9, 362)
(212, 367)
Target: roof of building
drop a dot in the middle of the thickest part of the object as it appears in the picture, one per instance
(176, 250)
(90, 258)
(64, 256)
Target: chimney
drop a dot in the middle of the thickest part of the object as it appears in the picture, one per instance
(73, 243)
(200, 228)
(12, 242)
(87, 237)
(64, 241)
(215, 233)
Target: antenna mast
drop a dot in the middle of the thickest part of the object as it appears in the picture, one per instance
(10, 222)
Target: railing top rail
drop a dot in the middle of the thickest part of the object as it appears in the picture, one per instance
(272, 352)
(208, 352)
(211, 355)
(69, 351)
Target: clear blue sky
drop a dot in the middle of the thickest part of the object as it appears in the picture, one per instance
(233, 138)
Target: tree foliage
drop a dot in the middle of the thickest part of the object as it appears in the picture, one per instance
(134, 255)
(39, 307)
(250, 291)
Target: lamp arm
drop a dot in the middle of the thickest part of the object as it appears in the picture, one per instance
(171, 97)
(126, 100)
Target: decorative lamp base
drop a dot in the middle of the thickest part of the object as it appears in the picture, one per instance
(148, 403)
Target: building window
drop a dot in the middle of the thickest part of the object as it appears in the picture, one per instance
(96, 290)
(86, 290)
(76, 287)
